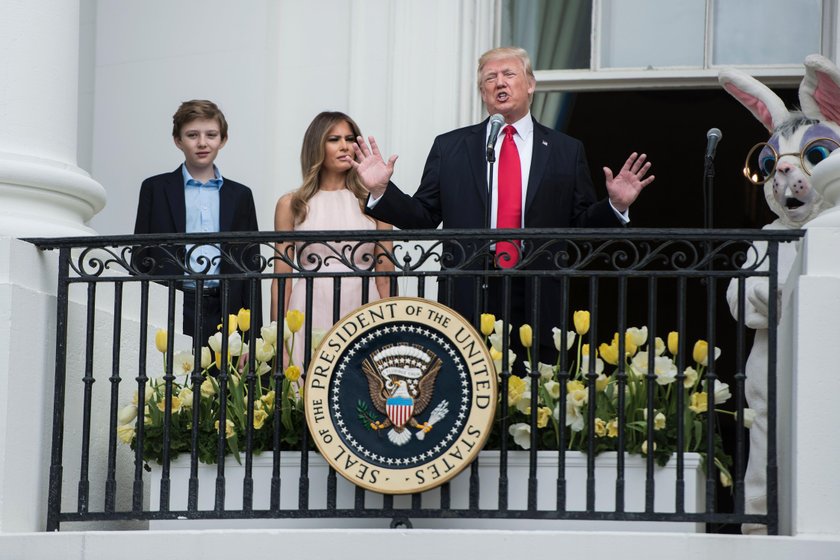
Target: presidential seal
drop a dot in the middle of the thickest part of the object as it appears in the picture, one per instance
(400, 395)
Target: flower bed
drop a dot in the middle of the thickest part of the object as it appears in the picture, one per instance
(647, 373)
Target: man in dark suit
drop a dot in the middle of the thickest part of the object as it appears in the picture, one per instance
(549, 178)
(195, 198)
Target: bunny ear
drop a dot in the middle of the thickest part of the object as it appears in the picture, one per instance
(765, 105)
(819, 92)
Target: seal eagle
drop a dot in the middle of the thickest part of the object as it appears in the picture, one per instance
(401, 380)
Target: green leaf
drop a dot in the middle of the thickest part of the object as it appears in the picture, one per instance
(365, 415)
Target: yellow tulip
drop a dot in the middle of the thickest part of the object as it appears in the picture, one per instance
(292, 373)
(609, 353)
(516, 388)
(673, 342)
(701, 351)
(229, 433)
(268, 399)
(232, 324)
(526, 335)
(488, 321)
(176, 405)
(243, 318)
(259, 418)
(581, 321)
(600, 427)
(574, 385)
(630, 346)
(584, 351)
(125, 433)
(725, 479)
(161, 339)
(698, 402)
(659, 421)
(543, 414)
(294, 318)
(601, 383)
(612, 428)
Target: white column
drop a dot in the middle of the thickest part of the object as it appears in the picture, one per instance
(42, 191)
(815, 486)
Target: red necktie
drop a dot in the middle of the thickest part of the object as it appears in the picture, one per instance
(509, 210)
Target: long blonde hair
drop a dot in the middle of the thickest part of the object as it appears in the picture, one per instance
(312, 158)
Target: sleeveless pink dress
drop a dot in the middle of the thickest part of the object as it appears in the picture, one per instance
(331, 210)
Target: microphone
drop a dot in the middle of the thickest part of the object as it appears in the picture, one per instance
(712, 138)
(497, 121)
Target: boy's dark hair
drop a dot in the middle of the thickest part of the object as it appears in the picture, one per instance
(198, 109)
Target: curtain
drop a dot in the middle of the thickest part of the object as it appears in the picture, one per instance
(556, 33)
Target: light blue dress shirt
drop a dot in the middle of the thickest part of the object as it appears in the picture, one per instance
(202, 202)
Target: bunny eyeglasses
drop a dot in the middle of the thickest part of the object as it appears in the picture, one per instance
(762, 159)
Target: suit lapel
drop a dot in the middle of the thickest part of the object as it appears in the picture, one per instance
(539, 159)
(175, 196)
(477, 157)
(227, 204)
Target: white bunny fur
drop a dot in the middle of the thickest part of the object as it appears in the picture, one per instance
(819, 96)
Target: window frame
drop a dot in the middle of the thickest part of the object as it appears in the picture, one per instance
(597, 78)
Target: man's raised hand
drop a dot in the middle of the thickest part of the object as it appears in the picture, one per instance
(624, 188)
(373, 171)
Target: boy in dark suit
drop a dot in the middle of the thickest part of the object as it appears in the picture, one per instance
(195, 198)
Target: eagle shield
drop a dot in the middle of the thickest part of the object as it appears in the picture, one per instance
(401, 380)
(400, 409)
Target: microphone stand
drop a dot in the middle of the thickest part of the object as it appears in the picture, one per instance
(708, 204)
(485, 287)
(709, 192)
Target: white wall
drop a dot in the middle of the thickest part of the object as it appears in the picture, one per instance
(28, 279)
(27, 323)
(272, 66)
(815, 490)
(151, 56)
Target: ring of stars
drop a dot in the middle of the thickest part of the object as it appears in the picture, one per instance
(364, 343)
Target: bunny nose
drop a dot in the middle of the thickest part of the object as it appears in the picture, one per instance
(784, 168)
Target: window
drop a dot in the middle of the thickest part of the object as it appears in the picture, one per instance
(646, 35)
(600, 45)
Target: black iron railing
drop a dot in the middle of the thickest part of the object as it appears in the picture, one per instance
(666, 280)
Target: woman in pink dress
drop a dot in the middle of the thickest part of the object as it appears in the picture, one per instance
(330, 198)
